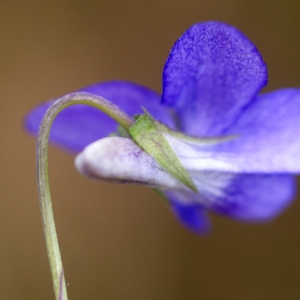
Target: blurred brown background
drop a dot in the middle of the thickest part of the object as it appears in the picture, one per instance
(121, 242)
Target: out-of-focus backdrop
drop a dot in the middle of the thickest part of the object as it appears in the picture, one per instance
(122, 242)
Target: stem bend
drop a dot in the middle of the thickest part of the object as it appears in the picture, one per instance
(54, 256)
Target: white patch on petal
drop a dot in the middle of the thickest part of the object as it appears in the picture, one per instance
(209, 172)
(212, 186)
(196, 157)
(120, 160)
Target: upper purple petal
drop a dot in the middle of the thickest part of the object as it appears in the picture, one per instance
(212, 72)
(79, 125)
(269, 139)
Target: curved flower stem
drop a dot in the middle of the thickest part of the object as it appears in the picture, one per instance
(53, 251)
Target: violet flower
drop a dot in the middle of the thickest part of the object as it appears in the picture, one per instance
(211, 82)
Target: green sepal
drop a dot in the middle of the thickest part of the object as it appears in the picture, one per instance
(148, 134)
(205, 141)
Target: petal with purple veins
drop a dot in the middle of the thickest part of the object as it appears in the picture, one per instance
(212, 72)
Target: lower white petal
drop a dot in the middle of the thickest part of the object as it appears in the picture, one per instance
(120, 160)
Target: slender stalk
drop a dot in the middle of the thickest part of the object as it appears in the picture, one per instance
(59, 283)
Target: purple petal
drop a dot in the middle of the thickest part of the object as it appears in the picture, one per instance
(269, 135)
(212, 72)
(247, 197)
(79, 125)
(256, 197)
(192, 215)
